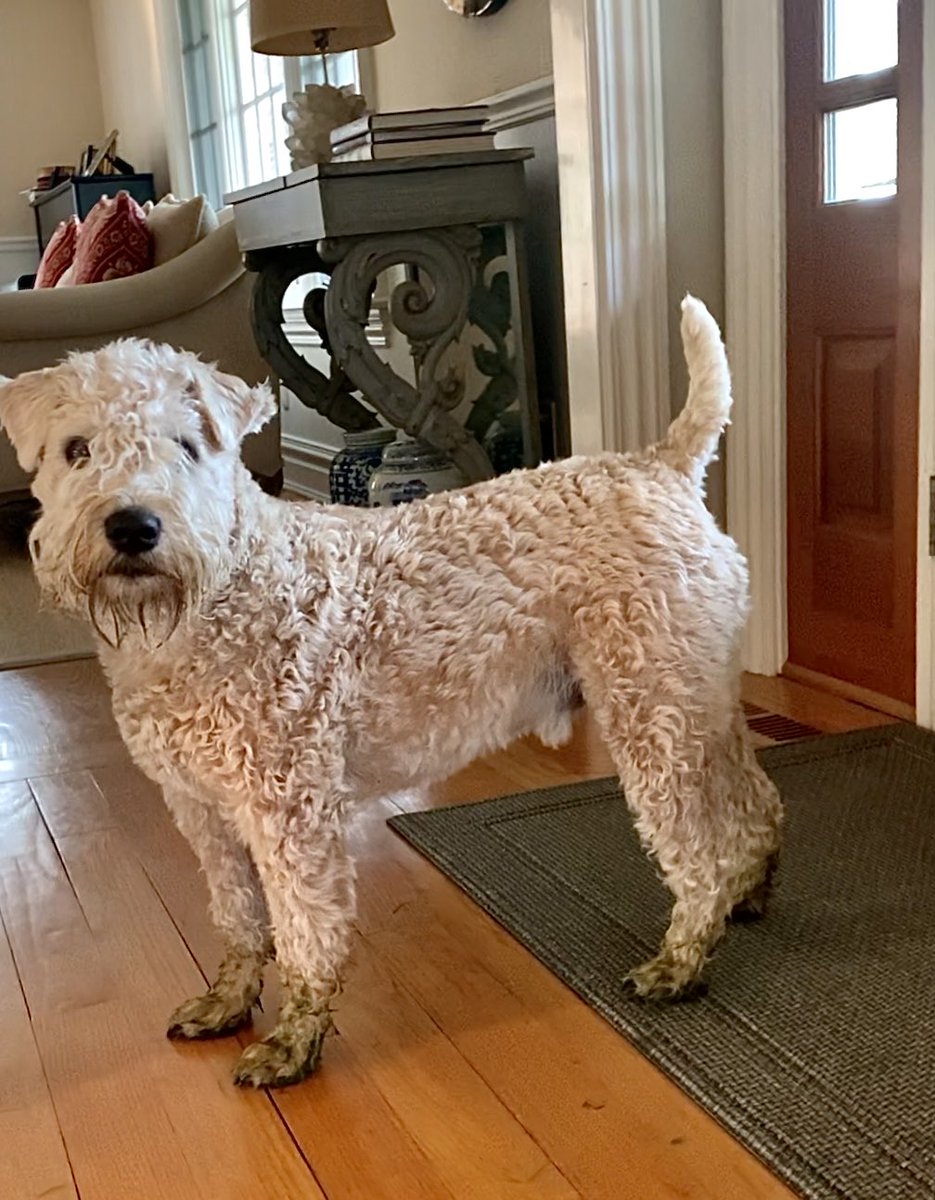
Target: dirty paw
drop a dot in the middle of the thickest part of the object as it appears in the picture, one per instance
(660, 980)
(277, 1062)
(211, 1015)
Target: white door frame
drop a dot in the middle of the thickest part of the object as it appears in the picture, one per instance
(754, 176)
(754, 284)
(925, 563)
(608, 116)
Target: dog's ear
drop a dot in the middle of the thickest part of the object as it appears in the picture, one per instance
(228, 409)
(25, 407)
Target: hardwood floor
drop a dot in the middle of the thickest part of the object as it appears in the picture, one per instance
(461, 1068)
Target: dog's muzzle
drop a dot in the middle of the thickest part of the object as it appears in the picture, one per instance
(133, 530)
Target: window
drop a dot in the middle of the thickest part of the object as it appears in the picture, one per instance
(860, 37)
(858, 88)
(860, 149)
(234, 98)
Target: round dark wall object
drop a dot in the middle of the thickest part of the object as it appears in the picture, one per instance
(475, 8)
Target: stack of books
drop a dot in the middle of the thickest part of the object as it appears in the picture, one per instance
(403, 134)
(49, 177)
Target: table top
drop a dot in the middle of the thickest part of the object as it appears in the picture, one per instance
(322, 172)
(354, 199)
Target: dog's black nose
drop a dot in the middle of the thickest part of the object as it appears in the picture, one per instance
(133, 530)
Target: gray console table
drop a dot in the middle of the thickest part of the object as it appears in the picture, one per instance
(455, 222)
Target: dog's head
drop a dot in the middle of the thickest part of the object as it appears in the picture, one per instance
(135, 449)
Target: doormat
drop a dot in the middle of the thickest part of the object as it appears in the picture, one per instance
(815, 1045)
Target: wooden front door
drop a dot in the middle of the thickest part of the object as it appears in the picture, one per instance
(853, 165)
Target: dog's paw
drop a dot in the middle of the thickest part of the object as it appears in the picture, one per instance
(277, 1061)
(751, 908)
(660, 979)
(209, 1016)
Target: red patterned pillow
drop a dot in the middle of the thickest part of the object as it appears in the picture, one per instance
(58, 254)
(114, 241)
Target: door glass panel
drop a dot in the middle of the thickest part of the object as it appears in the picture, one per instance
(860, 37)
(860, 152)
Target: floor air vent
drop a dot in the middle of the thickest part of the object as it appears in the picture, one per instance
(775, 727)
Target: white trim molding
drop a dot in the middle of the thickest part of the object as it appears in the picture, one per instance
(925, 564)
(754, 204)
(608, 112)
(306, 467)
(533, 101)
(20, 244)
(304, 337)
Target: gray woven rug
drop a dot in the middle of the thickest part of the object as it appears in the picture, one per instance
(815, 1045)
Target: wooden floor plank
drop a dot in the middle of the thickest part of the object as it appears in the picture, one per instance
(55, 717)
(79, 1022)
(327, 1118)
(830, 714)
(430, 1106)
(32, 1149)
(478, 1147)
(568, 1076)
(136, 805)
(359, 1148)
(101, 965)
(461, 1068)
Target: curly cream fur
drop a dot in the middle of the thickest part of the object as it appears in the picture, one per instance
(286, 661)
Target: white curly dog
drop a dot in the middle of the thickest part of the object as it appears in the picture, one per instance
(272, 663)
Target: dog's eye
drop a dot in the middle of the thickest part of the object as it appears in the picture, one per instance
(76, 449)
(189, 447)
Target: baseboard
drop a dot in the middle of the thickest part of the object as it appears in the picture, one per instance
(305, 467)
(303, 337)
(850, 691)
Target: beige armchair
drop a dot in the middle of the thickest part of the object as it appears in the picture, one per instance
(198, 301)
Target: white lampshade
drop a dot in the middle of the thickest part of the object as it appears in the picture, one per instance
(294, 27)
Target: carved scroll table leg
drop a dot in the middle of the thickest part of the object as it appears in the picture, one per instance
(276, 270)
(430, 319)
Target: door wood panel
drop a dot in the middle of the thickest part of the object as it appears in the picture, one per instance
(852, 375)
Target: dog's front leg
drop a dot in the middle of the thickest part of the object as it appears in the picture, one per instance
(238, 909)
(309, 884)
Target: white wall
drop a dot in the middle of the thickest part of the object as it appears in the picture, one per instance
(438, 58)
(131, 82)
(70, 71)
(18, 256)
(50, 101)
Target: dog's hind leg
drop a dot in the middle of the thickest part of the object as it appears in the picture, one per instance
(710, 818)
(309, 883)
(238, 910)
(702, 805)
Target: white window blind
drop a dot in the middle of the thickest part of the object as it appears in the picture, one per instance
(234, 98)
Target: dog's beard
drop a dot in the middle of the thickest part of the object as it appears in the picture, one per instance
(147, 604)
(120, 597)
(143, 599)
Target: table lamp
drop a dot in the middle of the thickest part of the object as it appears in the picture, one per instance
(299, 27)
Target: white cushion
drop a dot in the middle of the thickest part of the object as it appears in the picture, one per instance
(177, 225)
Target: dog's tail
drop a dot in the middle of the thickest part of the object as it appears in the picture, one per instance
(691, 440)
